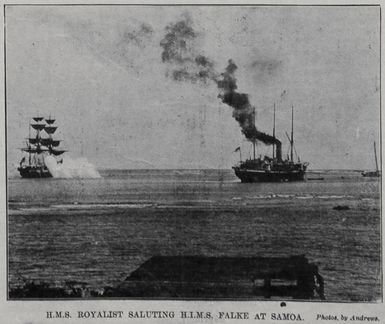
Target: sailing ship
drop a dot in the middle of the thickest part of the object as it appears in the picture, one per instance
(38, 148)
(376, 173)
(272, 169)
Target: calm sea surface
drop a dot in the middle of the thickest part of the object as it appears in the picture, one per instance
(99, 230)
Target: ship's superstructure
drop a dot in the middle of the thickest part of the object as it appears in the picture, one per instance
(275, 168)
(38, 147)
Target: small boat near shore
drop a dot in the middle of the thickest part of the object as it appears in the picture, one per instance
(375, 173)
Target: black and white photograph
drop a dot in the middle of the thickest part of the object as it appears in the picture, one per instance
(193, 153)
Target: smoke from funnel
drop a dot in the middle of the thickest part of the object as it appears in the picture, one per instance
(179, 52)
(243, 111)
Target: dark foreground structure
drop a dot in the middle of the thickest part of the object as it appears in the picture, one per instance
(198, 277)
(223, 277)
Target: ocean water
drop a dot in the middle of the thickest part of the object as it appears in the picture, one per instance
(100, 230)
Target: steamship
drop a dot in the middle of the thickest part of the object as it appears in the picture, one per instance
(272, 169)
(38, 148)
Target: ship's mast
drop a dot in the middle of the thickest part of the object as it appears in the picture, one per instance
(29, 145)
(292, 139)
(37, 146)
(254, 139)
(375, 156)
(274, 132)
(35, 151)
(50, 142)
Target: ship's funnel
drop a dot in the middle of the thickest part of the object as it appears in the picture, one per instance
(278, 150)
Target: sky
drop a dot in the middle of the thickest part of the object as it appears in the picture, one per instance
(126, 86)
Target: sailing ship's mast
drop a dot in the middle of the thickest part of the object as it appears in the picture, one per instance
(29, 145)
(274, 132)
(50, 142)
(50, 129)
(254, 139)
(375, 156)
(292, 139)
(38, 127)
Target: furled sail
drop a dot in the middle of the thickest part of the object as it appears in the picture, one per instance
(55, 143)
(50, 129)
(45, 141)
(38, 119)
(38, 126)
(33, 140)
(49, 141)
(57, 152)
(50, 121)
(34, 149)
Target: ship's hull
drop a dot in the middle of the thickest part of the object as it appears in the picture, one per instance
(34, 172)
(249, 175)
(374, 174)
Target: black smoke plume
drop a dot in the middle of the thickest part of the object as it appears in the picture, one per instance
(179, 52)
(243, 111)
(179, 45)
